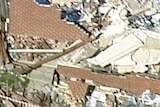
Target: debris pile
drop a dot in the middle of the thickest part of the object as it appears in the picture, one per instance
(124, 39)
(126, 56)
(23, 48)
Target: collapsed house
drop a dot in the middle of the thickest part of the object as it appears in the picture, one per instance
(122, 50)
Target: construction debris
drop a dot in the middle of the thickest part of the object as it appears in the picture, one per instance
(109, 57)
(32, 48)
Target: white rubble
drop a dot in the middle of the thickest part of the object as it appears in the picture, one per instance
(150, 98)
(125, 52)
(150, 56)
(116, 51)
(126, 60)
(95, 98)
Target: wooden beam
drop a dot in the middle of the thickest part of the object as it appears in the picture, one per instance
(35, 50)
(50, 58)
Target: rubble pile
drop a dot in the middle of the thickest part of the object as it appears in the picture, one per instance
(125, 40)
(147, 98)
(95, 17)
(128, 58)
(114, 23)
(31, 42)
(90, 15)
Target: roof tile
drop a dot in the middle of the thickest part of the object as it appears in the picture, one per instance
(28, 18)
(130, 83)
(79, 89)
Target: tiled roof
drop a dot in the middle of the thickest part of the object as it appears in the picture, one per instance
(79, 90)
(72, 72)
(130, 83)
(30, 19)
(80, 73)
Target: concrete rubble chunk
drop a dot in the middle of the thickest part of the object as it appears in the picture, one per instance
(126, 60)
(135, 6)
(104, 41)
(150, 56)
(140, 68)
(84, 52)
(97, 99)
(122, 69)
(150, 98)
(116, 51)
(152, 43)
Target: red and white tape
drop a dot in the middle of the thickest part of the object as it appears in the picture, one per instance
(18, 101)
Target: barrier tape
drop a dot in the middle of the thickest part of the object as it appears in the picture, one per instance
(18, 101)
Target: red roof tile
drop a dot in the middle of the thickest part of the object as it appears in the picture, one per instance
(28, 18)
(80, 73)
(79, 90)
(130, 83)
(72, 72)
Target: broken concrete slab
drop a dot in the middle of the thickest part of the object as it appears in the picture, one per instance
(152, 43)
(150, 56)
(139, 68)
(116, 51)
(126, 60)
(104, 40)
(136, 7)
(84, 52)
(122, 69)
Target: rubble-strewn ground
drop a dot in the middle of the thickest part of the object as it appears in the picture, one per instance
(30, 42)
(125, 40)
